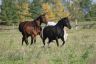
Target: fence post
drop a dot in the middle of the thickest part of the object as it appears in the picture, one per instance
(76, 24)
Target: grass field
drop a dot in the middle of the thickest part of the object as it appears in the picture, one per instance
(80, 48)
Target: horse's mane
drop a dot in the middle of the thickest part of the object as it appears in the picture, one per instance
(60, 22)
(39, 17)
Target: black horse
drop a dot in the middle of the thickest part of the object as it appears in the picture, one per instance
(56, 32)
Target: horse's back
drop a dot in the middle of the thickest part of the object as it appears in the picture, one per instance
(52, 32)
(48, 31)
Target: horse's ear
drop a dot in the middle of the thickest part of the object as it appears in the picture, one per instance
(65, 17)
(44, 14)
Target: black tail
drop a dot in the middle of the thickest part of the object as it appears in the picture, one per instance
(21, 25)
(20, 28)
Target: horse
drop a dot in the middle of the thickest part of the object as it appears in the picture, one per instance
(56, 32)
(54, 23)
(32, 28)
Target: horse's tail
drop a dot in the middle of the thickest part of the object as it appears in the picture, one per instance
(20, 28)
(21, 25)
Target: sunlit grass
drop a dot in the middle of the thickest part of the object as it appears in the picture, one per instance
(79, 49)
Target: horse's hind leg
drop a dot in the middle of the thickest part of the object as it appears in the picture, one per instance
(31, 40)
(34, 39)
(22, 40)
(26, 40)
(57, 42)
(49, 42)
(44, 38)
(63, 41)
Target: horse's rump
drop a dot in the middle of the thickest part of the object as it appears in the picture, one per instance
(21, 25)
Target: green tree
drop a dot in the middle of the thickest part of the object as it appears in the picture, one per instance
(92, 13)
(75, 10)
(55, 8)
(23, 10)
(8, 11)
(36, 8)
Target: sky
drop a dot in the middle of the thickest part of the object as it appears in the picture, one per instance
(94, 1)
(0, 2)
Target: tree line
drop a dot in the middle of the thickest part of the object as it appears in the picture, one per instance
(15, 11)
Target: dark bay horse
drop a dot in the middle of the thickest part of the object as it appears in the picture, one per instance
(32, 28)
(57, 31)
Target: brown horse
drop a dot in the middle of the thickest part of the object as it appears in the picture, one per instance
(32, 28)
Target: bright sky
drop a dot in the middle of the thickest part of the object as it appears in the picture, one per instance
(0, 2)
(94, 1)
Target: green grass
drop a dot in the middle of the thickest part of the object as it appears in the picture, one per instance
(80, 48)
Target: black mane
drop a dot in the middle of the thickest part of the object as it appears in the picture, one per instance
(61, 22)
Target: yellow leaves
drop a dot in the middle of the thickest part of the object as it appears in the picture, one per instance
(66, 13)
(25, 6)
(45, 6)
(22, 18)
(23, 10)
(55, 11)
(47, 9)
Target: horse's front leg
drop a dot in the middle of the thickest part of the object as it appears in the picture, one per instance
(62, 38)
(57, 41)
(26, 40)
(31, 40)
(34, 39)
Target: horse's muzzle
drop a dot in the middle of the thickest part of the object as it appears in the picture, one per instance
(69, 27)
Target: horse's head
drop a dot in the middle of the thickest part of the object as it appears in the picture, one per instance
(43, 18)
(66, 22)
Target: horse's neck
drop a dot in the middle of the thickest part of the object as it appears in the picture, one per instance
(61, 26)
(37, 22)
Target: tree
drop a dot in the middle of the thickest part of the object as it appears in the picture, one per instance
(8, 11)
(92, 13)
(23, 10)
(55, 9)
(47, 9)
(75, 10)
(59, 9)
(36, 8)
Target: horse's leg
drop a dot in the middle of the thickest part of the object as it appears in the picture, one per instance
(49, 42)
(26, 40)
(57, 42)
(34, 39)
(44, 38)
(22, 40)
(63, 41)
(31, 40)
